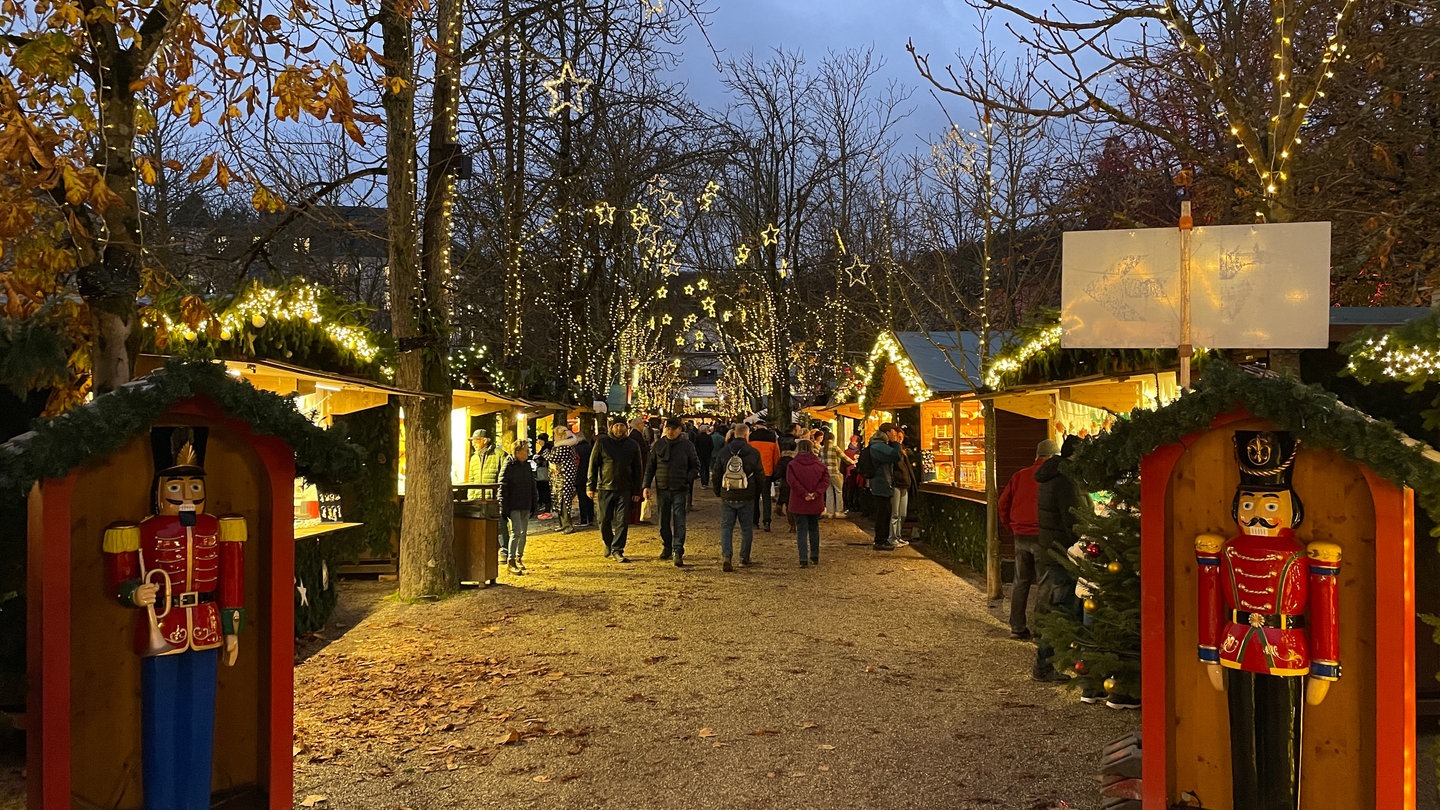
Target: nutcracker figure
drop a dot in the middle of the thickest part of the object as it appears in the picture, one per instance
(182, 570)
(1268, 607)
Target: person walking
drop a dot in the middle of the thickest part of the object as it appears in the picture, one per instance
(564, 474)
(767, 445)
(884, 455)
(585, 505)
(615, 483)
(833, 460)
(906, 475)
(672, 467)
(1019, 514)
(705, 451)
(807, 481)
(638, 511)
(735, 478)
(1056, 502)
(518, 495)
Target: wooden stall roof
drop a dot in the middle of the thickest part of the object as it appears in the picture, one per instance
(482, 402)
(1118, 393)
(347, 394)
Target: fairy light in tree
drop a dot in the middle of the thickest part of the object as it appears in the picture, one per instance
(670, 205)
(703, 284)
(605, 213)
(707, 198)
(742, 255)
(856, 272)
(770, 236)
(1411, 361)
(566, 90)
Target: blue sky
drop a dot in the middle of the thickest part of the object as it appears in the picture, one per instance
(938, 27)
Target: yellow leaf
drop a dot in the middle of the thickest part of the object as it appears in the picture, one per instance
(147, 171)
(314, 800)
(542, 779)
(196, 114)
(707, 733)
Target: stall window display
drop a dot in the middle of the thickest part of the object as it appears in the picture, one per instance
(952, 437)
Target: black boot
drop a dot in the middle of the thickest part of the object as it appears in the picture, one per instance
(665, 554)
(679, 559)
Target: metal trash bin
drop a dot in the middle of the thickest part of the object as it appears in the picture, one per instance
(477, 534)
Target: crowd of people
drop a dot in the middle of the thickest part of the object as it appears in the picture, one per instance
(629, 476)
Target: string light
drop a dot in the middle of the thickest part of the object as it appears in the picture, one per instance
(571, 86)
(1012, 361)
(887, 345)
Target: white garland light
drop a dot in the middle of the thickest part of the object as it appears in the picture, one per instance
(887, 345)
(1010, 363)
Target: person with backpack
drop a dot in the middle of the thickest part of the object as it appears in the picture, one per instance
(807, 481)
(736, 478)
(877, 465)
(671, 469)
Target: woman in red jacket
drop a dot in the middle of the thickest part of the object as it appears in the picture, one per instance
(808, 479)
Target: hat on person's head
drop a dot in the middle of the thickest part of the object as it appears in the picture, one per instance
(674, 422)
(480, 433)
(1046, 449)
(542, 437)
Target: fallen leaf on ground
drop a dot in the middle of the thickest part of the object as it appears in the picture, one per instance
(826, 747)
(799, 775)
(760, 732)
(450, 764)
(825, 768)
(511, 736)
(542, 779)
(707, 733)
(770, 775)
(314, 800)
(807, 724)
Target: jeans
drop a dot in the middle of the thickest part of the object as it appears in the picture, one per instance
(1057, 594)
(670, 504)
(834, 498)
(1026, 549)
(899, 505)
(762, 504)
(807, 527)
(730, 513)
(880, 511)
(613, 528)
(519, 529)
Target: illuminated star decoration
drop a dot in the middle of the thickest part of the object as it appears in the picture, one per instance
(679, 340)
(784, 268)
(770, 236)
(667, 320)
(742, 254)
(304, 593)
(639, 217)
(703, 284)
(689, 289)
(654, 8)
(569, 85)
(660, 293)
(855, 273)
(606, 212)
(670, 205)
(712, 189)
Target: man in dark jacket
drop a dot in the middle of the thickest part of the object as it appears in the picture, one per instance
(884, 454)
(705, 450)
(614, 481)
(1020, 515)
(1058, 497)
(737, 503)
(672, 467)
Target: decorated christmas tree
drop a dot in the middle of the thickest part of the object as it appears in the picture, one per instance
(1103, 646)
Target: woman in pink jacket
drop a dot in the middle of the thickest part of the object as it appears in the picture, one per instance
(808, 479)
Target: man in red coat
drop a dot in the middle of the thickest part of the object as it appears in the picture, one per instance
(1019, 514)
(1268, 608)
(184, 569)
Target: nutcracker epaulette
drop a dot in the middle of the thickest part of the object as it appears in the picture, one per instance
(1324, 557)
(1209, 544)
(121, 538)
(232, 529)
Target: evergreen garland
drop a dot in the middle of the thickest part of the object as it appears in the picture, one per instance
(57, 445)
(315, 569)
(876, 384)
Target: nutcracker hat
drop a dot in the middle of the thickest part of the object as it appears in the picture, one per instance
(179, 450)
(1266, 459)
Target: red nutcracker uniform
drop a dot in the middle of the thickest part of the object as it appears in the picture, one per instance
(1268, 609)
(189, 566)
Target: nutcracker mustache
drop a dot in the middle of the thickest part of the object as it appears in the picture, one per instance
(1260, 521)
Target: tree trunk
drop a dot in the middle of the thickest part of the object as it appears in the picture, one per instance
(427, 530)
(111, 281)
(994, 587)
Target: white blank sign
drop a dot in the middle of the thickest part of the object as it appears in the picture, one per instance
(1252, 287)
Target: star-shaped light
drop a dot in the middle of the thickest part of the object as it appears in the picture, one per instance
(707, 199)
(304, 594)
(679, 340)
(568, 84)
(727, 315)
(689, 289)
(639, 217)
(654, 8)
(660, 293)
(606, 212)
(690, 320)
(667, 320)
(670, 205)
(703, 284)
(770, 236)
(855, 273)
(742, 254)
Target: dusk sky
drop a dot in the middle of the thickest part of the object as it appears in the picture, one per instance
(938, 27)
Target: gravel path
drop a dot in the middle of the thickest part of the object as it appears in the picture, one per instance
(875, 680)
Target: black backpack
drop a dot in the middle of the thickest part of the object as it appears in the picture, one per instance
(865, 464)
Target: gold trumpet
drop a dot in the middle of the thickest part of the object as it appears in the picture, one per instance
(157, 643)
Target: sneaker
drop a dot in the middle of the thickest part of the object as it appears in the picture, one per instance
(885, 546)
(569, 530)
(524, 569)
(609, 553)
(1049, 676)
(1021, 635)
(745, 562)
(814, 560)
(767, 527)
(621, 558)
(513, 568)
(1122, 702)
(1092, 697)
(546, 515)
(900, 542)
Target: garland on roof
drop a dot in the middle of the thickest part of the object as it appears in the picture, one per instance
(57, 445)
(1409, 352)
(874, 385)
(1035, 356)
(1310, 412)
